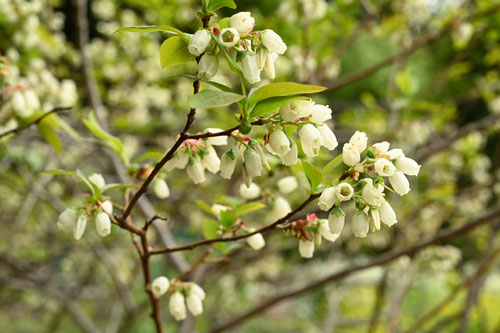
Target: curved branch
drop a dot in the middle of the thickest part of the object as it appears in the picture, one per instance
(381, 260)
(36, 121)
(267, 228)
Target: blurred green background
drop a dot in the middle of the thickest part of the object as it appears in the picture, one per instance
(432, 88)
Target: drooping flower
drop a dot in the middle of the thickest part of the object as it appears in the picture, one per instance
(228, 163)
(311, 140)
(177, 307)
(287, 184)
(306, 248)
(250, 68)
(327, 199)
(103, 224)
(256, 241)
(269, 65)
(207, 67)
(384, 167)
(194, 304)
(372, 195)
(253, 163)
(243, 22)
(195, 171)
(161, 189)
(79, 227)
(336, 221)
(387, 214)
(360, 224)
(107, 207)
(211, 161)
(279, 142)
(350, 155)
(251, 192)
(291, 158)
(295, 110)
(199, 42)
(328, 137)
(381, 147)
(320, 113)
(407, 165)
(359, 140)
(160, 286)
(272, 41)
(66, 220)
(98, 180)
(400, 183)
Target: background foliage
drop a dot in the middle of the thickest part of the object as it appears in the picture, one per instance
(438, 99)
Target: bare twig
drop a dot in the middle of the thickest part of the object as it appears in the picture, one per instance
(269, 227)
(36, 121)
(381, 260)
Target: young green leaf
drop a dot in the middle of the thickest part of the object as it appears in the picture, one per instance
(209, 98)
(153, 28)
(210, 228)
(174, 51)
(271, 104)
(249, 207)
(109, 187)
(313, 174)
(214, 5)
(150, 155)
(227, 218)
(203, 205)
(77, 174)
(48, 131)
(332, 164)
(282, 89)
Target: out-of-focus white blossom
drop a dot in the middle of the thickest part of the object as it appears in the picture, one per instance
(98, 180)
(66, 220)
(161, 189)
(177, 307)
(79, 227)
(287, 184)
(251, 192)
(306, 248)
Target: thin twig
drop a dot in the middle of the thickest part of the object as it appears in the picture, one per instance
(269, 227)
(36, 121)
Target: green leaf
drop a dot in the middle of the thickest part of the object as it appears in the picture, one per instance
(282, 89)
(227, 218)
(210, 228)
(213, 5)
(116, 186)
(48, 131)
(67, 128)
(270, 105)
(209, 98)
(150, 155)
(249, 207)
(112, 141)
(77, 174)
(212, 83)
(152, 28)
(174, 51)
(332, 164)
(203, 205)
(313, 174)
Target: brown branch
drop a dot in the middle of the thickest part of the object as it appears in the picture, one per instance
(381, 260)
(36, 121)
(419, 42)
(269, 227)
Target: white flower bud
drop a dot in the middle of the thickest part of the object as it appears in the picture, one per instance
(218, 209)
(280, 209)
(19, 106)
(344, 191)
(375, 215)
(32, 101)
(272, 41)
(250, 68)
(327, 199)
(177, 307)
(194, 304)
(279, 142)
(350, 155)
(103, 224)
(161, 189)
(253, 163)
(395, 153)
(269, 65)
(160, 286)
(381, 147)
(98, 180)
(291, 158)
(387, 214)
(79, 227)
(229, 37)
(197, 290)
(251, 192)
(408, 166)
(400, 183)
(324, 230)
(66, 220)
(243, 22)
(372, 195)
(256, 241)
(336, 223)
(287, 184)
(216, 140)
(207, 67)
(320, 113)
(384, 167)
(359, 140)
(195, 171)
(107, 207)
(211, 161)
(228, 163)
(311, 140)
(306, 248)
(199, 42)
(360, 224)
(295, 110)
(328, 137)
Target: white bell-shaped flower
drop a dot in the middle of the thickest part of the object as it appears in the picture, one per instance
(327, 199)
(229, 37)
(272, 41)
(400, 183)
(256, 241)
(194, 304)
(291, 158)
(387, 214)
(372, 195)
(243, 22)
(251, 192)
(250, 68)
(211, 161)
(384, 167)
(324, 230)
(107, 207)
(199, 42)
(328, 137)
(350, 155)
(279, 142)
(296, 109)
(375, 215)
(98, 180)
(207, 67)
(287, 184)
(311, 140)
(66, 220)
(359, 140)
(228, 163)
(176, 306)
(196, 289)
(160, 286)
(320, 113)
(407, 165)
(161, 189)
(336, 221)
(360, 224)
(344, 191)
(269, 68)
(79, 227)
(306, 248)
(195, 171)
(253, 163)
(103, 224)
(381, 147)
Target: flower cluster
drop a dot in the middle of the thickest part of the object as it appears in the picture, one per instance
(181, 293)
(254, 50)
(76, 221)
(312, 230)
